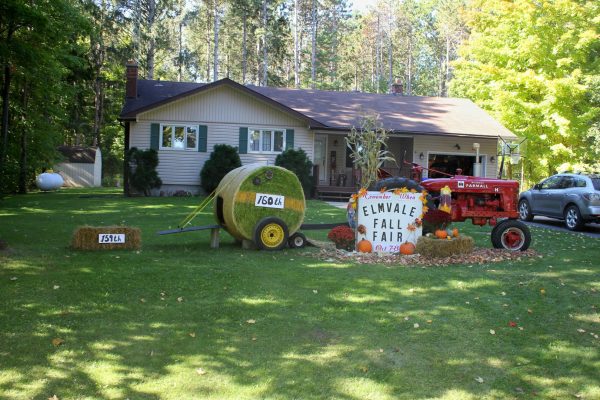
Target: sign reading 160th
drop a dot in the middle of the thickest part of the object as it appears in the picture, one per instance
(269, 200)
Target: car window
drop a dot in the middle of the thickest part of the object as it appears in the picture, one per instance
(567, 182)
(552, 183)
(596, 183)
(580, 182)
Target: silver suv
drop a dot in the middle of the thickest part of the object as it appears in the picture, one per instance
(574, 198)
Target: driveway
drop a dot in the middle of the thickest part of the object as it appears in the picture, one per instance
(591, 230)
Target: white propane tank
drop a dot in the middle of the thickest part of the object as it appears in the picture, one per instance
(49, 181)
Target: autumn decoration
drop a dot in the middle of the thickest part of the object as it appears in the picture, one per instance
(364, 246)
(441, 234)
(433, 247)
(343, 237)
(407, 248)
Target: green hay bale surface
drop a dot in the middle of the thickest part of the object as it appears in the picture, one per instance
(434, 247)
(283, 183)
(86, 238)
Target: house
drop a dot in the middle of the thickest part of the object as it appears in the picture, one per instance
(183, 121)
(82, 166)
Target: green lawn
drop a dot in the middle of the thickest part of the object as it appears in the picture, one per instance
(171, 321)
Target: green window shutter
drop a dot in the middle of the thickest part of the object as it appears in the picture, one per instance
(202, 138)
(289, 139)
(243, 146)
(154, 135)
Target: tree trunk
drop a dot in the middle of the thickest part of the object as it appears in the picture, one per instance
(151, 41)
(264, 45)
(410, 60)
(296, 48)
(22, 181)
(313, 55)
(5, 110)
(378, 54)
(216, 43)
(244, 50)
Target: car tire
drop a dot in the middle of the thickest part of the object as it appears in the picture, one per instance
(297, 241)
(573, 219)
(511, 235)
(525, 211)
(270, 234)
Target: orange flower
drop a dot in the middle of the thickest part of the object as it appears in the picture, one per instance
(413, 190)
(353, 197)
(425, 209)
(362, 192)
(411, 227)
(396, 191)
(383, 190)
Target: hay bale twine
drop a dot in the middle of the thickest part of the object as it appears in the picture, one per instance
(235, 206)
(433, 247)
(88, 238)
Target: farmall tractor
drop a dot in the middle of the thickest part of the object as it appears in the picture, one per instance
(483, 201)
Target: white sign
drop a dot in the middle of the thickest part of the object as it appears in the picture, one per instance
(269, 200)
(111, 238)
(388, 219)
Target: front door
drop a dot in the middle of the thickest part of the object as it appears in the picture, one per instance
(321, 156)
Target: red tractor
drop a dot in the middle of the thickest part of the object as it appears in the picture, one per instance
(484, 201)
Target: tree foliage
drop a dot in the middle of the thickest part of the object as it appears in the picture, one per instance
(536, 67)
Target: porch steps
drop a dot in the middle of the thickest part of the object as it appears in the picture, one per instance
(334, 193)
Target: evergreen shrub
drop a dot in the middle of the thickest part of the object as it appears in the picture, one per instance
(298, 162)
(223, 159)
(143, 165)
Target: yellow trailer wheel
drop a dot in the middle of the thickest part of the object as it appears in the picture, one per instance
(271, 234)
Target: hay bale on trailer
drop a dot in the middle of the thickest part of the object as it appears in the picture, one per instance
(263, 204)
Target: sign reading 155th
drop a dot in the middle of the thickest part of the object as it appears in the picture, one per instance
(386, 217)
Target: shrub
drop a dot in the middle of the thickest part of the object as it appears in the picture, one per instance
(223, 159)
(342, 236)
(143, 165)
(298, 162)
(435, 219)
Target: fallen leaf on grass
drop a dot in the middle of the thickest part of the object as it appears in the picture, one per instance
(581, 330)
(251, 321)
(364, 369)
(201, 371)
(13, 278)
(479, 379)
(416, 326)
(512, 324)
(254, 338)
(53, 398)
(180, 299)
(315, 291)
(192, 334)
(530, 311)
(543, 291)
(55, 287)
(142, 300)
(57, 342)
(492, 332)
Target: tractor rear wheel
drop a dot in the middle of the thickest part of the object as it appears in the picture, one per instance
(270, 234)
(511, 235)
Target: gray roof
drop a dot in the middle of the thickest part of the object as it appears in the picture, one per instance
(78, 155)
(332, 110)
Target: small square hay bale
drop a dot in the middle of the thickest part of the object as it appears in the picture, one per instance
(88, 238)
(434, 247)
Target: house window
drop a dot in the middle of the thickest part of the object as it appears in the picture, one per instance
(266, 141)
(179, 137)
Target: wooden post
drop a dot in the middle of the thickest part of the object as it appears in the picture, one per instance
(214, 238)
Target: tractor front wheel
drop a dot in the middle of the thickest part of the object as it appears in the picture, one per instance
(270, 234)
(511, 235)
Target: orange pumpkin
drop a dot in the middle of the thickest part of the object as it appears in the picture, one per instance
(441, 234)
(407, 248)
(455, 232)
(364, 246)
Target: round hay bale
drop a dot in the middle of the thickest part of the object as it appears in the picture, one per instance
(235, 207)
(436, 248)
(88, 238)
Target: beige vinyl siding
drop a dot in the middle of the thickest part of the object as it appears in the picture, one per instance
(223, 110)
(437, 144)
